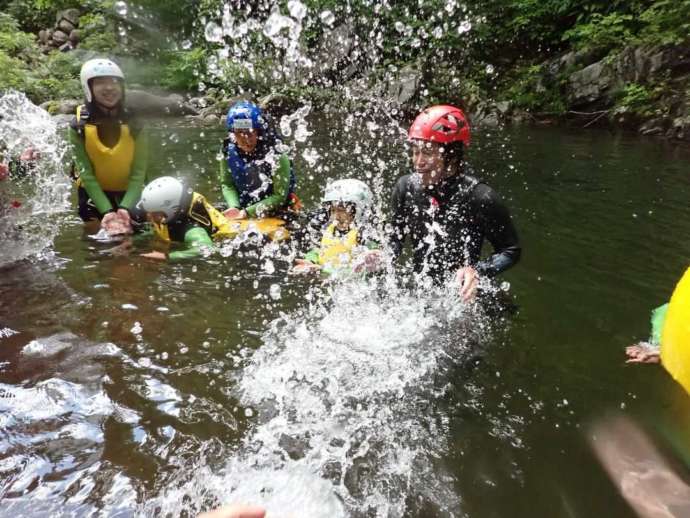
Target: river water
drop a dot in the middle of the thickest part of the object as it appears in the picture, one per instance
(134, 388)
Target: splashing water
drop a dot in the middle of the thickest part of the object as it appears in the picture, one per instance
(31, 203)
(349, 422)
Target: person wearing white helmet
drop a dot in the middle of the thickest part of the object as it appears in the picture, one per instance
(180, 215)
(110, 149)
(348, 231)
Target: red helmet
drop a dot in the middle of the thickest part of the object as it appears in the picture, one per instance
(441, 124)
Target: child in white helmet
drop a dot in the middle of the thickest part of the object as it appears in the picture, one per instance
(180, 215)
(348, 231)
(110, 150)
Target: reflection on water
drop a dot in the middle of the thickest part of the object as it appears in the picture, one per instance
(134, 387)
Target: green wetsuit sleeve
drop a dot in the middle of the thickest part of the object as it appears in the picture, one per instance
(312, 256)
(227, 186)
(658, 320)
(137, 175)
(86, 174)
(195, 239)
(281, 189)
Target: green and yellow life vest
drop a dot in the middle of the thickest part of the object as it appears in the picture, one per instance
(204, 214)
(111, 165)
(335, 251)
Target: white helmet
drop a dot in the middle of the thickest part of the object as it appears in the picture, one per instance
(97, 68)
(164, 194)
(351, 191)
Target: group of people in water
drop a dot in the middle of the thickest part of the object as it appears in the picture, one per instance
(441, 208)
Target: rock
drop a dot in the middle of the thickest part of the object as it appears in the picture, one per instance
(405, 86)
(66, 47)
(198, 103)
(75, 36)
(680, 128)
(66, 26)
(71, 15)
(60, 37)
(334, 50)
(655, 126)
(147, 103)
(277, 104)
(503, 107)
(42, 35)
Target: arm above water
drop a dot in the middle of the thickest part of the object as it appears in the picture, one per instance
(137, 175)
(499, 230)
(86, 174)
(281, 190)
(196, 240)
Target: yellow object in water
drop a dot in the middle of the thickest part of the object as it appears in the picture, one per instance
(675, 338)
(272, 228)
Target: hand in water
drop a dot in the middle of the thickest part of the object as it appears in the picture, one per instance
(117, 223)
(302, 266)
(158, 256)
(233, 213)
(29, 155)
(369, 261)
(236, 511)
(642, 353)
(467, 277)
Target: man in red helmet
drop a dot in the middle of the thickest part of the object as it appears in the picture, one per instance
(445, 211)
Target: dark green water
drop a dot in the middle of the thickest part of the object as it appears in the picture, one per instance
(168, 409)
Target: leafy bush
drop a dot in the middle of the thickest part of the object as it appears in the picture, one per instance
(602, 32)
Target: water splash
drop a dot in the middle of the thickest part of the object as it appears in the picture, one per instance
(31, 202)
(348, 397)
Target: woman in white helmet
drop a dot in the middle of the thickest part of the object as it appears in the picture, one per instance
(348, 231)
(110, 149)
(180, 215)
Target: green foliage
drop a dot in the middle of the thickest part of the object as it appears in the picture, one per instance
(602, 32)
(182, 69)
(667, 22)
(640, 100)
(531, 90)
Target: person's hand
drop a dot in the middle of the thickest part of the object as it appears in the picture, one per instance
(467, 277)
(157, 256)
(369, 261)
(123, 215)
(29, 155)
(642, 353)
(302, 266)
(233, 213)
(117, 223)
(4, 171)
(236, 511)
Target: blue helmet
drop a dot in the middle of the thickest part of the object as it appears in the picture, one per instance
(245, 115)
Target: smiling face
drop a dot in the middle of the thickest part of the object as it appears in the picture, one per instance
(429, 162)
(107, 91)
(343, 214)
(246, 139)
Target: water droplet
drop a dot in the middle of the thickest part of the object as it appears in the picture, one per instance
(489, 69)
(399, 26)
(269, 267)
(297, 9)
(121, 8)
(327, 17)
(274, 291)
(136, 328)
(464, 27)
(248, 412)
(437, 32)
(213, 33)
(129, 306)
(186, 44)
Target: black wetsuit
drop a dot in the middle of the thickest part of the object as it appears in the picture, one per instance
(448, 223)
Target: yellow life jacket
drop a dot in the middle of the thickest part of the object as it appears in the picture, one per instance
(111, 165)
(336, 252)
(202, 212)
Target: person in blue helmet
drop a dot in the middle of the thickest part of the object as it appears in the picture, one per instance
(256, 174)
